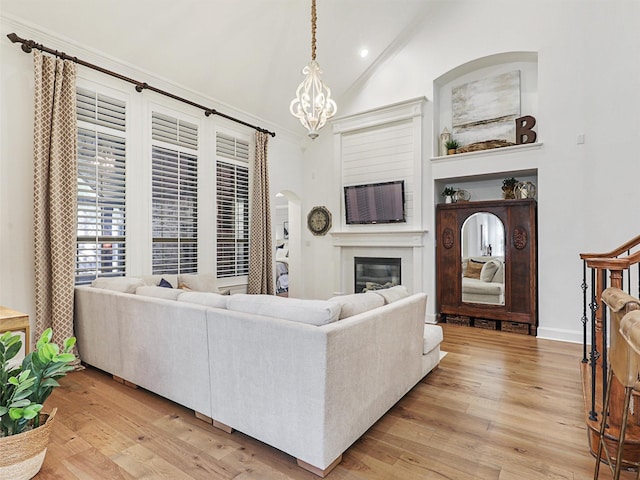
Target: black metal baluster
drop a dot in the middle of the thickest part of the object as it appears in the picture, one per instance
(604, 343)
(584, 310)
(594, 351)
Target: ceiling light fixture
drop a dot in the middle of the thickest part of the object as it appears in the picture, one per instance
(313, 105)
(364, 53)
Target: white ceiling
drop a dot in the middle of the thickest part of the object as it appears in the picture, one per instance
(244, 53)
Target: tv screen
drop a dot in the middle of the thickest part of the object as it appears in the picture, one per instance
(375, 203)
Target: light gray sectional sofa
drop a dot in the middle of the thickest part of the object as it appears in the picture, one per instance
(308, 377)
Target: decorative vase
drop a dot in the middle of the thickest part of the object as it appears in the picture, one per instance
(524, 190)
(23, 454)
(507, 192)
(451, 151)
(448, 199)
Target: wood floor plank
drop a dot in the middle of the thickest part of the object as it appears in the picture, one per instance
(501, 406)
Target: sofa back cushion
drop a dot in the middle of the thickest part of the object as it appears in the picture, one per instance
(118, 284)
(357, 303)
(313, 312)
(158, 292)
(208, 299)
(199, 282)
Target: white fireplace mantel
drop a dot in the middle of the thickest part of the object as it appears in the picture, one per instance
(389, 238)
(408, 245)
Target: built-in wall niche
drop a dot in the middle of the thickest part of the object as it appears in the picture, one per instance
(482, 187)
(461, 107)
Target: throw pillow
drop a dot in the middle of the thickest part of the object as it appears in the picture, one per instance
(163, 283)
(473, 270)
(357, 303)
(393, 294)
(489, 269)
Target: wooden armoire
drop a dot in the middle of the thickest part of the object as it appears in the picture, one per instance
(519, 313)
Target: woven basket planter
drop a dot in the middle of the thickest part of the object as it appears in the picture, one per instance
(23, 454)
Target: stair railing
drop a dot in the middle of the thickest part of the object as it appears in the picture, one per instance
(610, 269)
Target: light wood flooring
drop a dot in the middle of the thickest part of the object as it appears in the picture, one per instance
(501, 406)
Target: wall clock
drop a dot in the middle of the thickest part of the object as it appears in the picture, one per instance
(319, 220)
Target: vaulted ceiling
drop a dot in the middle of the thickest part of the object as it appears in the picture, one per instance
(244, 53)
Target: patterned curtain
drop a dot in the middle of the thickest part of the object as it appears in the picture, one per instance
(260, 255)
(55, 173)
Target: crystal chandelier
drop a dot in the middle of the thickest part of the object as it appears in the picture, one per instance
(313, 105)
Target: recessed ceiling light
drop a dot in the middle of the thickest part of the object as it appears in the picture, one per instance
(364, 52)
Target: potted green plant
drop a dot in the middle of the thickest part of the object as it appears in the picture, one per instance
(508, 185)
(24, 429)
(448, 194)
(452, 145)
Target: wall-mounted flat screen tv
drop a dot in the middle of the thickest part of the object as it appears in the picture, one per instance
(375, 203)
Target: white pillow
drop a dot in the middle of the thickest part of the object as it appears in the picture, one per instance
(159, 292)
(208, 299)
(357, 303)
(313, 312)
(118, 284)
(489, 269)
(392, 294)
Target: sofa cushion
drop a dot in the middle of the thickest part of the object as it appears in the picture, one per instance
(198, 282)
(208, 299)
(164, 283)
(357, 303)
(488, 271)
(158, 292)
(118, 284)
(393, 294)
(475, 285)
(432, 337)
(314, 312)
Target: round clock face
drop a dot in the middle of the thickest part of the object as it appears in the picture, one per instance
(319, 220)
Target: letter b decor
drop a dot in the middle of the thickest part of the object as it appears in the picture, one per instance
(524, 132)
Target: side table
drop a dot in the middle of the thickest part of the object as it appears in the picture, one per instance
(14, 321)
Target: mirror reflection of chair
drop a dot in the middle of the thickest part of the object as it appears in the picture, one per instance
(624, 368)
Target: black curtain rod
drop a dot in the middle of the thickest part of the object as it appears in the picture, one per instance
(29, 45)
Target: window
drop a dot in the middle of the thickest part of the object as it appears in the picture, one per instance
(101, 228)
(232, 198)
(174, 196)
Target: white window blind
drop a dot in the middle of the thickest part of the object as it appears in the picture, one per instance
(101, 218)
(232, 198)
(174, 175)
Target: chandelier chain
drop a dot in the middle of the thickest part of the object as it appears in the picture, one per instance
(313, 29)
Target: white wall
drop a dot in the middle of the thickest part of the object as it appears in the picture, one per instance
(16, 150)
(588, 71)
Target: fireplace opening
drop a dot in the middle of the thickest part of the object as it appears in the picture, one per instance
(374, 272)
